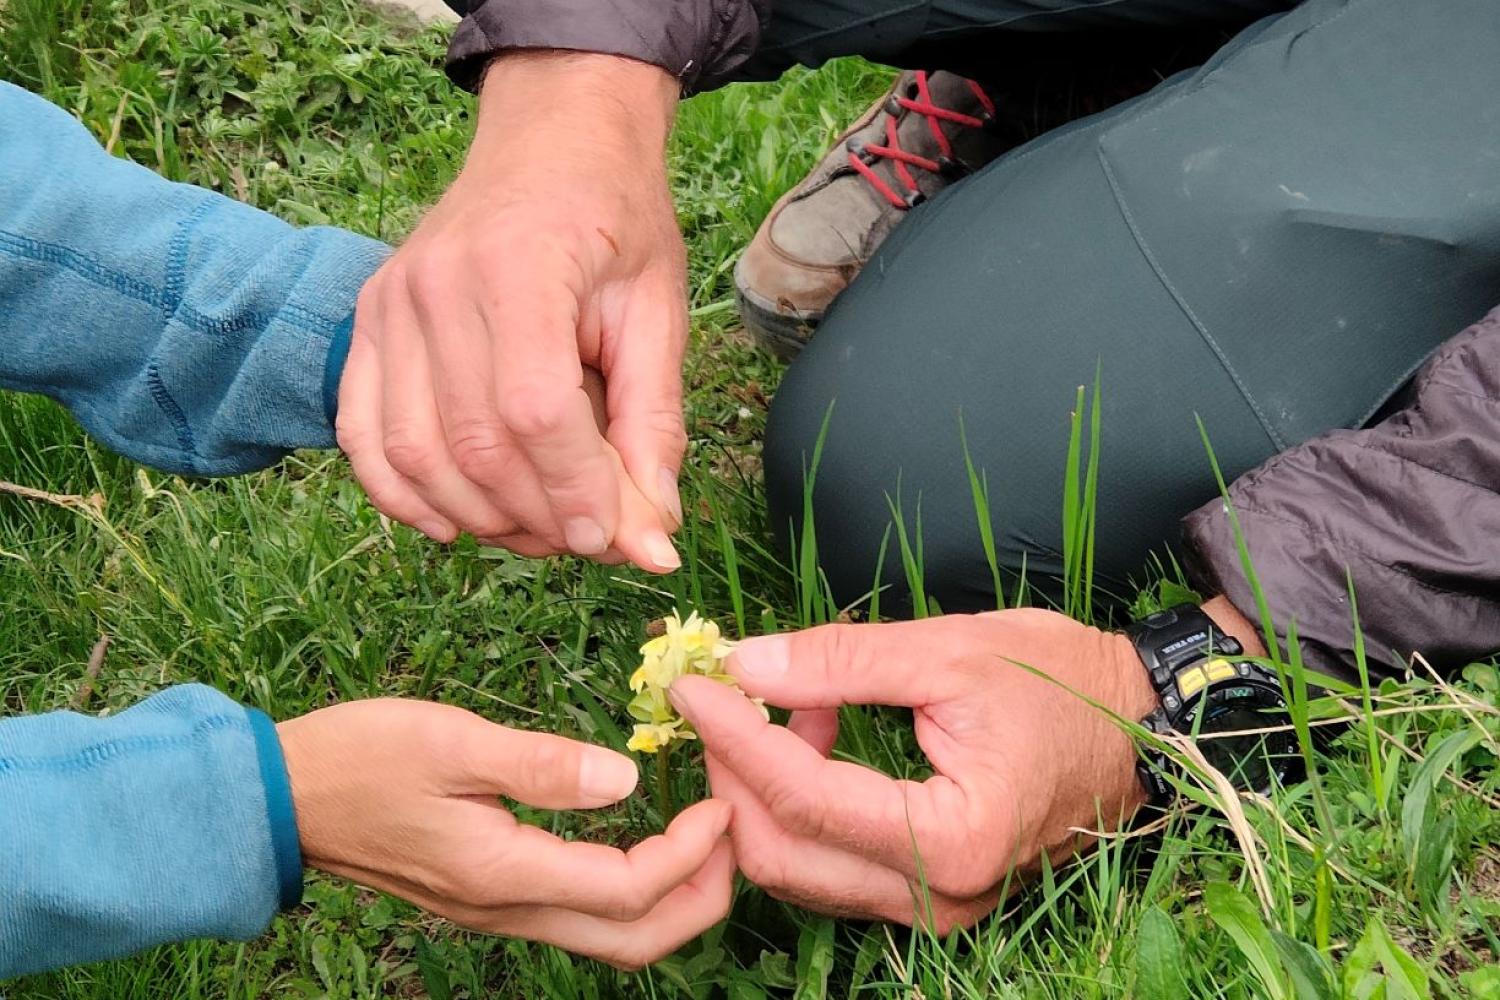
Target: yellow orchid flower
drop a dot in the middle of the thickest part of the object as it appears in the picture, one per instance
(691, 646)
(649, 738)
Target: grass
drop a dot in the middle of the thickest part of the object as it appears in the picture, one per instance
(1381, 878)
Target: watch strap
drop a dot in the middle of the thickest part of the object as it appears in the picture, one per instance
(1180, 649)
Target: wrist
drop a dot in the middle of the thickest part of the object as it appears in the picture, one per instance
(1138, 698)
(1232, 622)
(623, 98)
(302, 781)
(1135, 700)
(281, 809)
(1195, 679)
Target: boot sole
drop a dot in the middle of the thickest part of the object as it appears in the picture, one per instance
(777, 332)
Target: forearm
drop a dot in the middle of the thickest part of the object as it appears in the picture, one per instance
(167, 822)
(183, 329)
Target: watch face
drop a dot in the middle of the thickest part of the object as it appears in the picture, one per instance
(1251, 759)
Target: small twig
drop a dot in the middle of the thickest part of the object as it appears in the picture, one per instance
(1109, 940)
(241, 185)
(91, 673)
(1448, 776)
(1144, 830)
(94, 503)
(1355, 715)
(898, 966)
(1213, 780)
(638, 585)
(1465, 701)
(115, 126)
(1298, 838)
(91, 508)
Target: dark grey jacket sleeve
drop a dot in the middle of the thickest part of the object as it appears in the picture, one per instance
(1409, 506)
(698, 41)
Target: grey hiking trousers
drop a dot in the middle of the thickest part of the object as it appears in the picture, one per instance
(1273, 242)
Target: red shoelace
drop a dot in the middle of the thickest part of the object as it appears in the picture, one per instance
(904, 160)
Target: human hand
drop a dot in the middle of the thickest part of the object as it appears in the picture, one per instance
(1022, 765)
(402, 796)
(462, 405)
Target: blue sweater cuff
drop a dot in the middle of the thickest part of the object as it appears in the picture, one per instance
(333, 369)
(286, 845)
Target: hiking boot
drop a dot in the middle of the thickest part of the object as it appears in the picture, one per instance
(930, 130)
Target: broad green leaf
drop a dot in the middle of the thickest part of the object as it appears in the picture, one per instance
(596, 722)
(776, 969)
(814, 960)
(1174, 593)
(1159, 958)
(302, 212)
(1482, 983)
(1312, 979)
(1361, 980)
(1233, 911)
(702, 964)
(1424, 781)
(671, 969)
(320, 948)
(1405, 977)
(434, 972)
(743, 986)
(1379, 969)
(1434, 861)
(864, 960)
(1486, 677)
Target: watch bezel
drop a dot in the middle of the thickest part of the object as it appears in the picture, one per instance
(1278, 748)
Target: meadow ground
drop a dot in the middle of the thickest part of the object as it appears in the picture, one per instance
(1380, 879)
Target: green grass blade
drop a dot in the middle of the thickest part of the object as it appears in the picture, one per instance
(1072, 505)
(979, 489)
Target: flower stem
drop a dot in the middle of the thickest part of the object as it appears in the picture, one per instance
(664, 801)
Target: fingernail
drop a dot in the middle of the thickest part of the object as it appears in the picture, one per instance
(670, 494)
(585, 537)
(680, 701)
(659, 548)
(764, 657)
(607, 776)
(435, 530)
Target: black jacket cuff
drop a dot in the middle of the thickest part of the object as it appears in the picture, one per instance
(699, 42)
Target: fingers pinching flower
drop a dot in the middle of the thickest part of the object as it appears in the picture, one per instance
(691, 646)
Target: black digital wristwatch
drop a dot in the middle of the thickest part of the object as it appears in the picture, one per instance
(1206, 691)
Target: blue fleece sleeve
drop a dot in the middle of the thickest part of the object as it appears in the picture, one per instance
(172, 820)
(183, 329)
